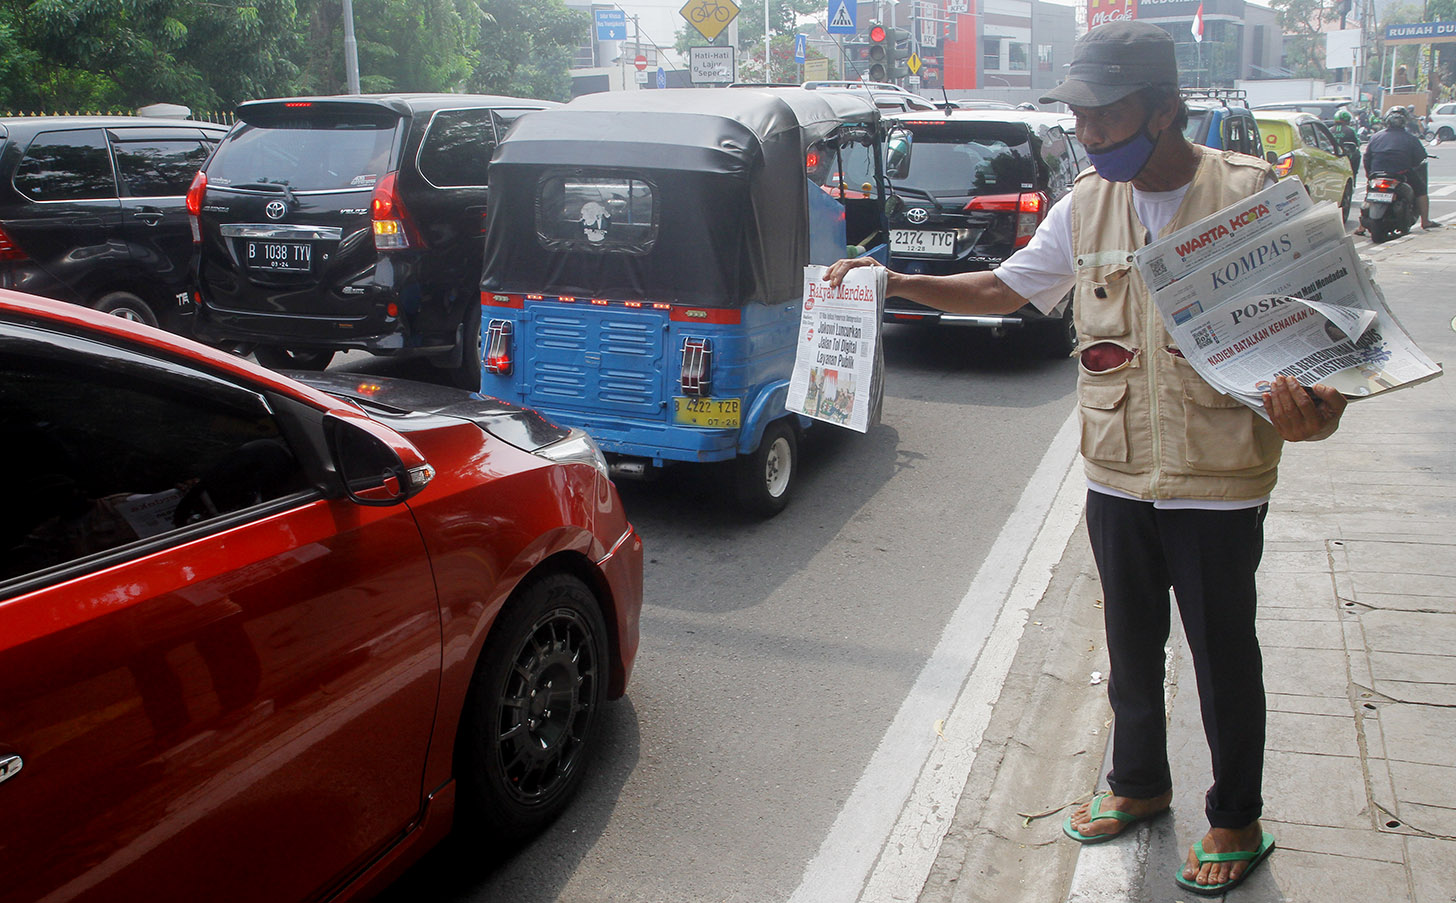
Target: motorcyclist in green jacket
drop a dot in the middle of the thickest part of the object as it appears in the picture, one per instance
(1346, 137)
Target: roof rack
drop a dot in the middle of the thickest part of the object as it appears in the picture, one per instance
(1221, 95)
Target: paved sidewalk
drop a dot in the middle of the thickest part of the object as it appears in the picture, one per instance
(1358, 625)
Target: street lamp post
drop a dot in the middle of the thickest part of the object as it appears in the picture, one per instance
(351, 49)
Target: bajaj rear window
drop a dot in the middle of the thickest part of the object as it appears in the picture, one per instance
(965, 159)
(596, 213)
(321, 153)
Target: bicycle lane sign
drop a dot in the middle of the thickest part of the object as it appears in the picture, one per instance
(709, 17)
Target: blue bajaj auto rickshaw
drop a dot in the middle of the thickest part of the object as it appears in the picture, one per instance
(643, 273)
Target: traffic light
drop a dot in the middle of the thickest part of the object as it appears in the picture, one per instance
(879, 57)
(900, 47)
(856, 55)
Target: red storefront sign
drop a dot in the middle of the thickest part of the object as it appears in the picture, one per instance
(1100, 12)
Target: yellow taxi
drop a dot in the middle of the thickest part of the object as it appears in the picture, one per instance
(1299, 144)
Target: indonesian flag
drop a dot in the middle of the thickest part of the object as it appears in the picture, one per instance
(1198, 24)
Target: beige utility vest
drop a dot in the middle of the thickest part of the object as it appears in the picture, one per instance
(1151, 427)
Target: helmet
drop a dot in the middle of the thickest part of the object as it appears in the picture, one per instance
(1027, 105)
(1395, 119)
(1342, 116)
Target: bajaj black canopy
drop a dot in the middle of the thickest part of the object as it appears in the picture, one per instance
(687, 196)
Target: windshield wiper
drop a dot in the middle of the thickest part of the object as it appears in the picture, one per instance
(270, 186)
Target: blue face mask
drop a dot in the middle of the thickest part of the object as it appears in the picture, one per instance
(1123, 161)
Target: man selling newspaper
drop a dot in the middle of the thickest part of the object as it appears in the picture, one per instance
(1179, 475)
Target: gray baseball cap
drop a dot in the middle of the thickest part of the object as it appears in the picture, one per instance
(1114, 60)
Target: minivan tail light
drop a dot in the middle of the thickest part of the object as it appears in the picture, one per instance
(697, 366)
(498, 347)
(196, 192)
(8, 249)
(1030, 208)
(1284, 165)
(393, 228)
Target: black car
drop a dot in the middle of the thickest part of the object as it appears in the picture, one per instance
(350, 223)
(92, 210)
(976, 185)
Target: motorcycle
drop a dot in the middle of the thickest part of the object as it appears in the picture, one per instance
(1389, 208)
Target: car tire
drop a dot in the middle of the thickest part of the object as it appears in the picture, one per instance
(1445, 133)
(764, 479)
(530, 721)
(1347, 201)
(467, 373)
(1058, 337)
(275, 357)
(127, 306)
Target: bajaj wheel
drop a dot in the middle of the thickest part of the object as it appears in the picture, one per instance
(127, 306)
(276, 358)
(765, 477)
(530, 720)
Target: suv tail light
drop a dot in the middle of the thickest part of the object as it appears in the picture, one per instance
(8, 249)
(1030, 208)
(498, 347)
(697, 366)
(1284, 165)
(196, 192)
(393, 228)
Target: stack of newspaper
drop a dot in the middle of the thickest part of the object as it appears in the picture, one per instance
(1272, 286)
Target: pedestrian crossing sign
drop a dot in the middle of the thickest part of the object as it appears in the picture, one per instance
(842, 17)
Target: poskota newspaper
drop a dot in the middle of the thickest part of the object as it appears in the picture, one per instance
(1273, 286)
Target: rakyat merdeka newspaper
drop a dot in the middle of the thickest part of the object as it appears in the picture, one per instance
(1290, 297)
(838, 363)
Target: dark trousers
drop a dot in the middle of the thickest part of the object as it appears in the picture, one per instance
(1208, 558)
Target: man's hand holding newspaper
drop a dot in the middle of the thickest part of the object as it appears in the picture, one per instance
(1272, 287)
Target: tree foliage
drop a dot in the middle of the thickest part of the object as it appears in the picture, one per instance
(63, 55)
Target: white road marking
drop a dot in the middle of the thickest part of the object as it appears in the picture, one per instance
(884, 841)
(1444, 191)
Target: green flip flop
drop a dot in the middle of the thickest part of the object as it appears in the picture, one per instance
(1253, 857)
(1095, 812)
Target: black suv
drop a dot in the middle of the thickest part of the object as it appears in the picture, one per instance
(975, 185)
(92, 210)
(341, 223)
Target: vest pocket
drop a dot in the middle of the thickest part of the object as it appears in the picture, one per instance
(1104, 421)
(1218, 430)
(1103, 308)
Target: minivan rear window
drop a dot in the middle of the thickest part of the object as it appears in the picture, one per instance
(306, 154)
(963, 159)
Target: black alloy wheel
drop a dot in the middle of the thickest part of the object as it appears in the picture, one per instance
(275, 358)
(530, 722)
(127, 306)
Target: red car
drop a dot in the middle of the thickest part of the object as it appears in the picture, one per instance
(260, 640)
